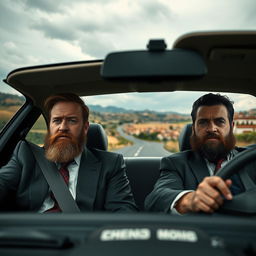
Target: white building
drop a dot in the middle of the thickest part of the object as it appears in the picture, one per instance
(244, 124)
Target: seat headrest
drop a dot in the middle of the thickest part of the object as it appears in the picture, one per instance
(184, 138)
(96, 137)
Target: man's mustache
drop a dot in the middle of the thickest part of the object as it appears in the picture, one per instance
(55, 137)
(212, 136)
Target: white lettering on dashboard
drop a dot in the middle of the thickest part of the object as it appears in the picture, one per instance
(125, 234)
(177, 235)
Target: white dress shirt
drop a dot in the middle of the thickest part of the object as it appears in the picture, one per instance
(73, 174)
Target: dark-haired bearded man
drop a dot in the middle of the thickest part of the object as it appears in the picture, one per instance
(96, 179)
(187, 182)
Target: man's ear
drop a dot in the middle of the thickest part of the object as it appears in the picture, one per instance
(86, 127)
(193, 129)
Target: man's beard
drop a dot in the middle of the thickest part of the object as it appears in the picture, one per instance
(213, 151)
(65, 149)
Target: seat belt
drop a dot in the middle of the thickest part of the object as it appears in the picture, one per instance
(56, 183)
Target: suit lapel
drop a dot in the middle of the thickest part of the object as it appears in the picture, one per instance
(200, 171)
(198, 167)
(87, 182)
(39, 187)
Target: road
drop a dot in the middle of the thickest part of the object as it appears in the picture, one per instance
(141, 147)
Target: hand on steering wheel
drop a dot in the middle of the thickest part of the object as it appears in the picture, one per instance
(245, 202)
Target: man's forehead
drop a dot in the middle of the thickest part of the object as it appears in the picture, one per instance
(212, 111)
(66, 108)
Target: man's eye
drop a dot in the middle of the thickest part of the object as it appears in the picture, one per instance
(221, 121)
(56, 121)
(72, 121)
(202, 122)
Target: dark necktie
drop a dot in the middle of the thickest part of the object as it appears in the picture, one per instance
(65, 174)
(237, 186)
(218, 164)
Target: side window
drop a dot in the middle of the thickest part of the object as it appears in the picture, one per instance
(10, 102)
(37, 133)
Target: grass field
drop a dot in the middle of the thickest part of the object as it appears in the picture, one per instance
(6, 115)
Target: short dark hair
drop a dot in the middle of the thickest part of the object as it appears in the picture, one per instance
(212, 99)
(65, 97)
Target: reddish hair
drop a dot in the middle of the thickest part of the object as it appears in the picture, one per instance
(65, 97)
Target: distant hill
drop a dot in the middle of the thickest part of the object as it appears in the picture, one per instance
(7, 99)
(113, 109)
(108, 109)
(99, 113)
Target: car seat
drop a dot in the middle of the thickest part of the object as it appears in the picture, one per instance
(96, 137)
(184, 138)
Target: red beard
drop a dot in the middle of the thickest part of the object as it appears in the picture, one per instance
(213, 151)
(63, 150)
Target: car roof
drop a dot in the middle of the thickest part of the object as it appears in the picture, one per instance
(229, 56)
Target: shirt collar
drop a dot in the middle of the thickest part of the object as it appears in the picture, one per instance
(76, 161)
(230, 155)
(211, 166)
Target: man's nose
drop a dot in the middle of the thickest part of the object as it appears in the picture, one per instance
(211, 127)
(63, 126)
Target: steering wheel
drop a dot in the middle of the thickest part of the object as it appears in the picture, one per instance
(244, 203)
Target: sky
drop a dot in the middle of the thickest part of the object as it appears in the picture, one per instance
(35, 32)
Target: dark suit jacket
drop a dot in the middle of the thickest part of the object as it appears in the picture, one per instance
(184, 171)
(102, 182)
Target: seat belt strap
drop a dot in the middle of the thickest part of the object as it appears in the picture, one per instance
(56, 183)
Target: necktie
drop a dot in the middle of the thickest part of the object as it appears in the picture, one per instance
(64, 172)
(65, 175)
(218, 164)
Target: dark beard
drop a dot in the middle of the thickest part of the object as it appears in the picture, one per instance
(213, 152)
(63, 150)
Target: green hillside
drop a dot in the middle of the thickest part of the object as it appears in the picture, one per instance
(7, 99)
(9, 105)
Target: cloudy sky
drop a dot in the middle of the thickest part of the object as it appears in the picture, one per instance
(35, 32)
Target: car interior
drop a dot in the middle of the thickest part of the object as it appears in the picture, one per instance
(199, 61)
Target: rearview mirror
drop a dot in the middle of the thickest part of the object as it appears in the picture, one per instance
(156, 62)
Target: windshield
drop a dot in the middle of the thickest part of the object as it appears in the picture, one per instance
(149, 124)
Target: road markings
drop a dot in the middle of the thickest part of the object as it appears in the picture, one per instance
(138, 151)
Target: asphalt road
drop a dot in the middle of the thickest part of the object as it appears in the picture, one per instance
(141, 147)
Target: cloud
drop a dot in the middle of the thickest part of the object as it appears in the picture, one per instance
(37, 32)
(102, 28)
(50, 6)
(248, 13)
(98, 27)
(53, 30)
(11, 18)
(45, 5)
(243, 101)
(154, 10)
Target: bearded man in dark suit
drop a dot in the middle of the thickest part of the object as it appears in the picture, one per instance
(187, 182)
(96, 179)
